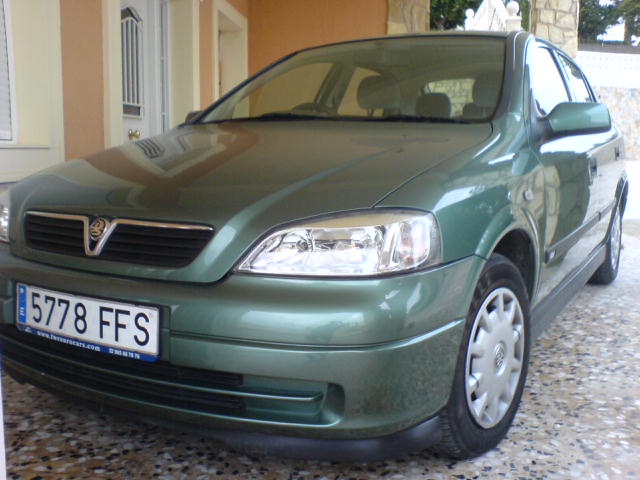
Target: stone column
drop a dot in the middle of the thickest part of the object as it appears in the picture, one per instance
(408, 16)
(556, 21)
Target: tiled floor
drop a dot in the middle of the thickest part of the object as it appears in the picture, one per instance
(580, 416)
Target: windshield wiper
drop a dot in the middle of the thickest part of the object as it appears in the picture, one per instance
(282, 116)
(414, 118)
(266, 117)
(287, 116)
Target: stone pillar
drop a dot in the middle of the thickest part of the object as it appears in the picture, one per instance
(556, 21)
(408, 16)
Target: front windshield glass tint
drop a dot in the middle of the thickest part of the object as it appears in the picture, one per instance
(413, 78)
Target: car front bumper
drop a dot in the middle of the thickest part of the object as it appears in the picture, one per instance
(313, 360)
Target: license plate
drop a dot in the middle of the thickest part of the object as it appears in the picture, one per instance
(122, 329)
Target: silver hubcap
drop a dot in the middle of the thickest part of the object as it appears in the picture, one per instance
(494, 357)
(616, 239)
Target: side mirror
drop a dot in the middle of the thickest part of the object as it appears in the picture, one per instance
(579, 118)
(191, 115)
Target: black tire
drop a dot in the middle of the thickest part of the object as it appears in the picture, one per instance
(608, 271)
(467, 434)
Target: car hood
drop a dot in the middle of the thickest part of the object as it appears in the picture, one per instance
(242, 178)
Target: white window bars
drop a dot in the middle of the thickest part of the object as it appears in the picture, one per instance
(132, 66)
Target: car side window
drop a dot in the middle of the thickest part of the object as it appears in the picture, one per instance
(581, 91)
(547, 84)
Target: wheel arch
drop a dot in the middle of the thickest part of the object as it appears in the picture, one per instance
(621, 194)
(513, 234)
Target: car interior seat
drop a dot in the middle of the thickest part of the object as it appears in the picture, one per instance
(486, 90)
(379, 92)
(433, 105)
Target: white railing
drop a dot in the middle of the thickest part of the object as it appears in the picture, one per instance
(610, 69)
(493, 15)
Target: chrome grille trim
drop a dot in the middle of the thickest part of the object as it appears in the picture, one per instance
(94, 247)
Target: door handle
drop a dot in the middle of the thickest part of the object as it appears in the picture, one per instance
(133, 134)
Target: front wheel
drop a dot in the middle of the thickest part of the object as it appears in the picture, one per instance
(492, 364)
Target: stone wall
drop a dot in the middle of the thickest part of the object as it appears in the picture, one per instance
(616, 80)
(556, 21)
(460, 92)
(624, 105)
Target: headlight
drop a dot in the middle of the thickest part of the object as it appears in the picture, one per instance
(362, 244)
(4, 216)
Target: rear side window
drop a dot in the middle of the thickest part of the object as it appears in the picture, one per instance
(546, 81)
(578, 84)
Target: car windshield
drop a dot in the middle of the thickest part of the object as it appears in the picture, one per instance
(447, 79)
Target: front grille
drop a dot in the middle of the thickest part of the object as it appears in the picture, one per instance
(57, 235)
(131, 241)
(169, 247)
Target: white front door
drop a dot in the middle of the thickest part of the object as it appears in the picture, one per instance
(142, 25)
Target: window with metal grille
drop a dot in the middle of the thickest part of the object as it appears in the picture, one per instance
(7, 119)
(132, 71)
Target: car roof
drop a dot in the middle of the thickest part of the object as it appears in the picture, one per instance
(448, 33)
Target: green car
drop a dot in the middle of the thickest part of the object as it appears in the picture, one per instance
(347, 256)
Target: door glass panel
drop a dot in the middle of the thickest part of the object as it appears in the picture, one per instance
(546, 81)
(580, 89)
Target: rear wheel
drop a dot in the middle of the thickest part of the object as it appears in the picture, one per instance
(492, 364)
(608, 271)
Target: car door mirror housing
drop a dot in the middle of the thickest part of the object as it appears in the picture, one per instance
(573, 118)
(191, 115)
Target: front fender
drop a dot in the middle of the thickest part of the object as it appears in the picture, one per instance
(509, 219)
(513, 218)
